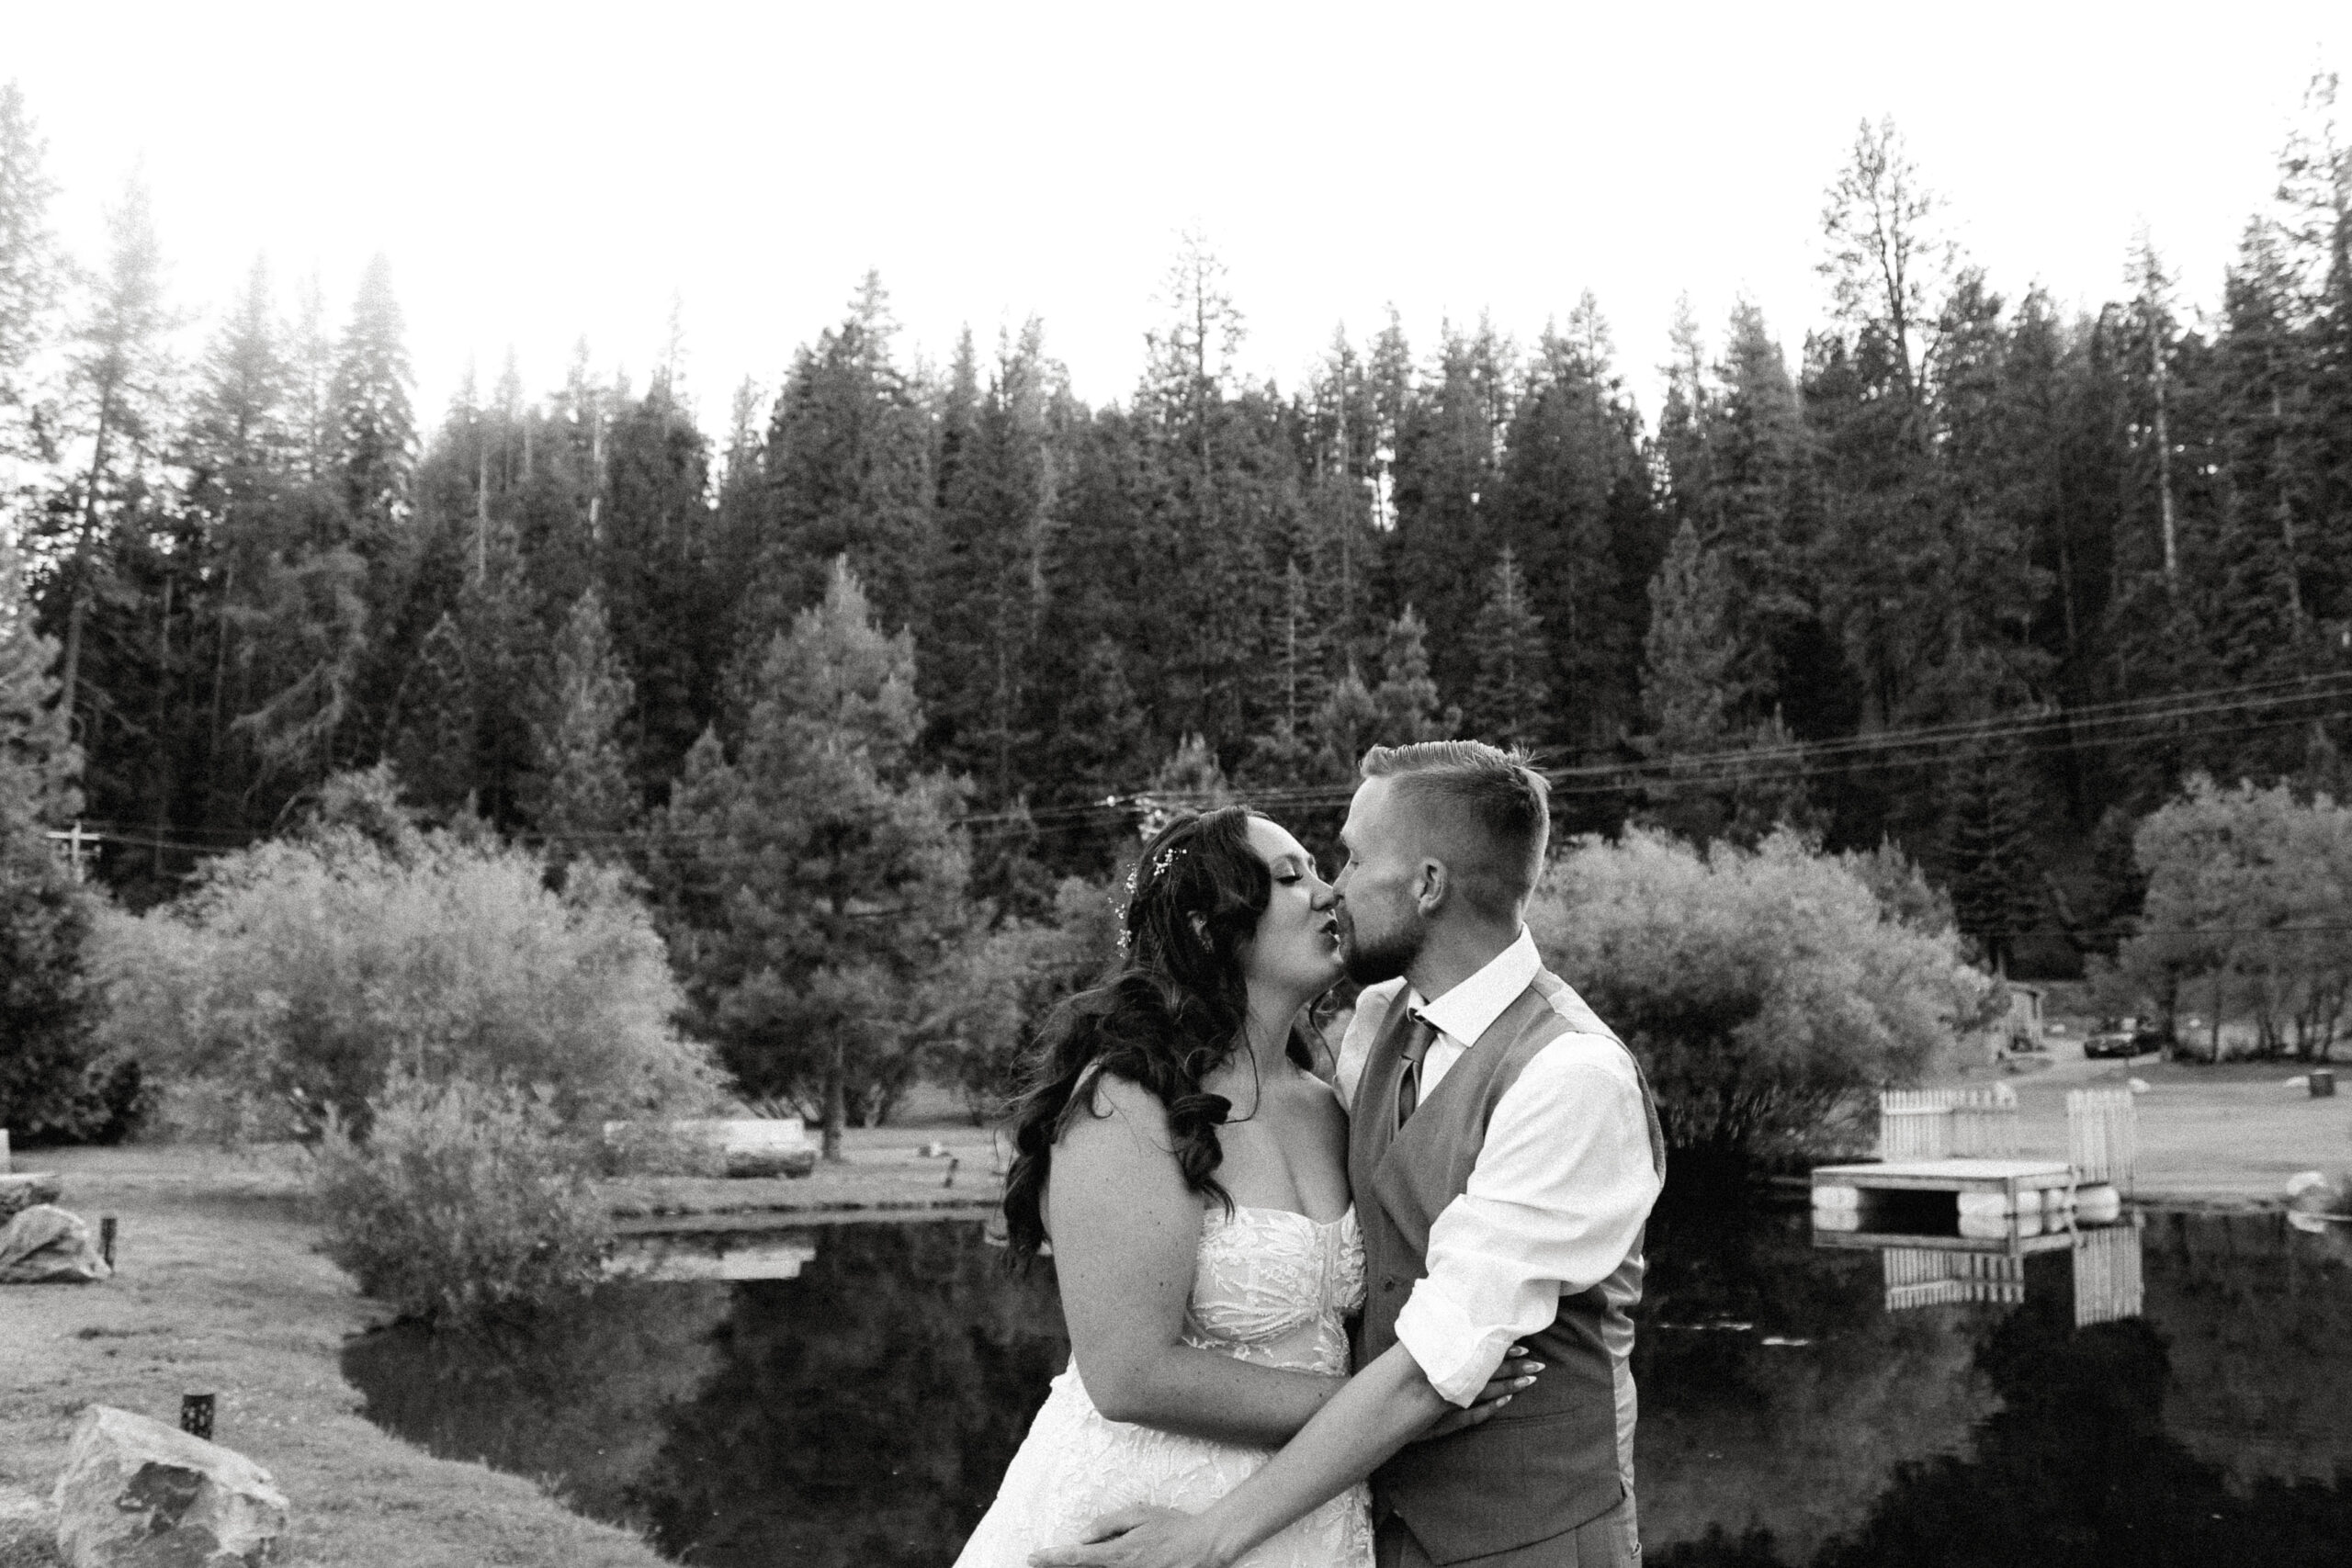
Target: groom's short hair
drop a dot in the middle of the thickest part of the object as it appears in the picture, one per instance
(1488, 809)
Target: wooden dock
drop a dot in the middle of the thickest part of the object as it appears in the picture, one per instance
(2008, 1176)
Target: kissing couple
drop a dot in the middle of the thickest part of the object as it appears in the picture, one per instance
(1474, 1186)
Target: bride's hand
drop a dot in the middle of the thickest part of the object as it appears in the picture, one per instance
(1516, 1372)
(1138, 1536)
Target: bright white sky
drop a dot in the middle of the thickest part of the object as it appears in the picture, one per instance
(537, 173)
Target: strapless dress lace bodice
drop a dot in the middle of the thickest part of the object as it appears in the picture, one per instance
(1270, 1287)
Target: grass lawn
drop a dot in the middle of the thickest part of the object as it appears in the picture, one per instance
(220, 1293)
(2227, 1135)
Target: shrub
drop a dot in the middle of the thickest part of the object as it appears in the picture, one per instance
(305, 974)
(466, 1201)
(1764, 991)
(1011, 978)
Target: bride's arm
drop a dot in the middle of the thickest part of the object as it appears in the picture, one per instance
(1126, 1231)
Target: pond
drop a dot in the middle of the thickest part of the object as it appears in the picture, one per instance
(1801, 1403)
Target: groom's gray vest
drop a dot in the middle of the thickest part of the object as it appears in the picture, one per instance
(1554, 1460)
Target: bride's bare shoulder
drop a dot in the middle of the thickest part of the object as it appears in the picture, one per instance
(1109, 1098)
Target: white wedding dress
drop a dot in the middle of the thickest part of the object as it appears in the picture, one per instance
(1270, 1287)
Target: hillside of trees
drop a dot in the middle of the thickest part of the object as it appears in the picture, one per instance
(1964, 572)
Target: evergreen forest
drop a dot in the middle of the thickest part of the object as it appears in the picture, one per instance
(1953, 567)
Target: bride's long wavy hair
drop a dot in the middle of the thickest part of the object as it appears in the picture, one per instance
(1172, 1013)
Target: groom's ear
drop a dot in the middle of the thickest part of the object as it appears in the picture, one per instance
(1430, 884)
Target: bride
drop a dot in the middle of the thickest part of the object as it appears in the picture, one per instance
(1191, 1171)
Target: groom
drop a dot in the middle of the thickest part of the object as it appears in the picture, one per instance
(1504, 1152)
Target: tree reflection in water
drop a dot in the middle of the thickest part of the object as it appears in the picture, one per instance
(862, 1413)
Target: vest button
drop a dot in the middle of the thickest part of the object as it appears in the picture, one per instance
(1389, 1283)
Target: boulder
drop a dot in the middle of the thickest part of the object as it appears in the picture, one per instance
(136, 1491)
(20, 1193)
(47, 1245)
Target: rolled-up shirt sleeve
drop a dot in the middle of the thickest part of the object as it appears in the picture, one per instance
(1556, 1201)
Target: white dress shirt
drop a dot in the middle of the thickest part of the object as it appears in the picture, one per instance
(1560, 1189)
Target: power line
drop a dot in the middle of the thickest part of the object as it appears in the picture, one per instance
(2138, 721)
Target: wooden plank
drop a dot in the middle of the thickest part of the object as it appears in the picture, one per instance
(1946, 1176)
(1876, 1241)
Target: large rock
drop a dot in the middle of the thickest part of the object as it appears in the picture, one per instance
(22, 1191)
(47, 1245)
(137, 1493)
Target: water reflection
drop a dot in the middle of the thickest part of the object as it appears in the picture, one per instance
(1980, 1263)
(861, 1412)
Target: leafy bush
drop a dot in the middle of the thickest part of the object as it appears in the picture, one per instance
(1012, 977)
(304, 974)
(464, 1200)
(1765, 991)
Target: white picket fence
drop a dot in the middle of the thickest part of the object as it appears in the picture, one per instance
(2103, 1135)
(1944, 1123)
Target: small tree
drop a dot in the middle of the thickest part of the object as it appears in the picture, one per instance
(585, 801)
(816, 881)
(2249, 896)
(1511, 692)
(46, 1049)
(1408, 695)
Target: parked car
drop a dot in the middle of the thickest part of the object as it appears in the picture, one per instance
(2124, 1036)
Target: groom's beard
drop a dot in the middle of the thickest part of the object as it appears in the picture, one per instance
(1369, 961)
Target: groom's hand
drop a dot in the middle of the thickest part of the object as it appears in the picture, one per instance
(1138, 1536)
(1516, 1372)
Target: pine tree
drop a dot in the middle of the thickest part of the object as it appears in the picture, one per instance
(1407, 697)
(1759, 515)
(1686, 655)
(1989, 855)
(28, 276)
(1687, 658)
(1347, 725)
(1191, 779)
(39, 764)
(826, 872)
(1448, 480)
(977, 639)
(1282, 756)
(434, 723)
(672, 614)
(848, 473)
(373, 434)
(118, 368)
(1576, 508)
(585, 800)
(310, 361)
(1508, 703)
(45, 1011)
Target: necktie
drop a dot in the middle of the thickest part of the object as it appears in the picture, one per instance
(1417, 1045)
